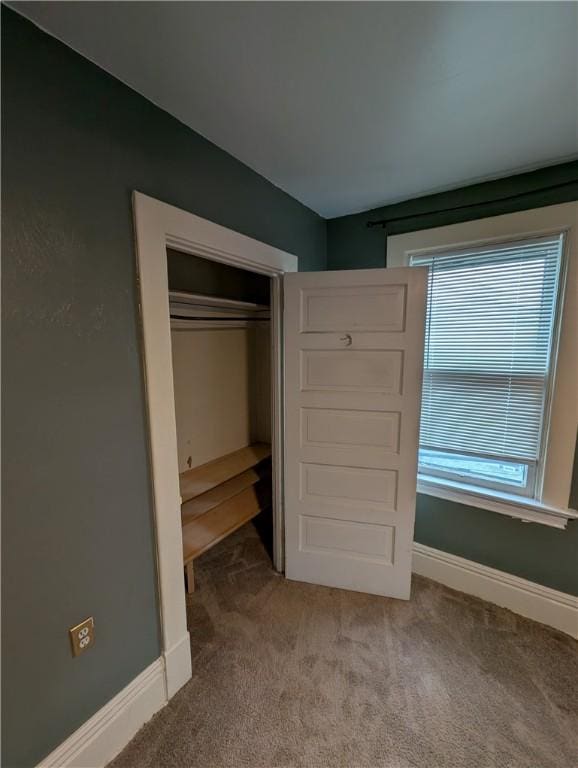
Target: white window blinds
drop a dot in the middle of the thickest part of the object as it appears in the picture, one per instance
(489, 332)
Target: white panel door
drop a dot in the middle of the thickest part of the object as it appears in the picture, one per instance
(353, 374)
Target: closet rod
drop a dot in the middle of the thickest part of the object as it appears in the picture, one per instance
(207, 325)
(197, 299)
(193, 311)
(217, 318)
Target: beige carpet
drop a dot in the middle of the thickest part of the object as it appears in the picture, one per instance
(289, 674)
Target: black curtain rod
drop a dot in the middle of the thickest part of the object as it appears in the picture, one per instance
(384, 222)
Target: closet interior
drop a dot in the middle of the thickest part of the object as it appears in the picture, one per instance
(221, 353)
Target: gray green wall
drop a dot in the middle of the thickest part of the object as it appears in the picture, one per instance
(352, 245)
(544, 555)
(76, 527)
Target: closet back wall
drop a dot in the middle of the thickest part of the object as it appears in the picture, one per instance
(211, 380)
(77, 517)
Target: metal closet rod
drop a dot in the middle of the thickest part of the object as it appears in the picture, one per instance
(203, 300)
(384, 222)
(221, 319)
(193, 310)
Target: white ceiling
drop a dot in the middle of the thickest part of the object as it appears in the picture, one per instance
(347, 106)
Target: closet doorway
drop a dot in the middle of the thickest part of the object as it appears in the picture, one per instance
(222, 373)
(347, 372)
(160, 230)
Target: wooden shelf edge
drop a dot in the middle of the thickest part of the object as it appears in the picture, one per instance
(213, 526)
(199, 480)
(200, 505)
(220, 537)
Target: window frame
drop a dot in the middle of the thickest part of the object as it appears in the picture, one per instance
(528, 492)
(534, 487)
(551, 505)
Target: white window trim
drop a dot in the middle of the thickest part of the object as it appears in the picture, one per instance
(528, 510)
(537, 470)
(552, 508)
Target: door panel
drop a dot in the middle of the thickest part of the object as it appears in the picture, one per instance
(360, 308)
(359, 540)
(349, 483)
(324, 426)
(353, 372)
(348, 369)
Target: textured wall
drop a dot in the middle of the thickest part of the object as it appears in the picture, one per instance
(545, 555)
(77, 525)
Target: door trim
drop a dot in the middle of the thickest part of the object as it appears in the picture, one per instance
(158, 226)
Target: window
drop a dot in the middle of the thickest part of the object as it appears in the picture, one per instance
(489, 358)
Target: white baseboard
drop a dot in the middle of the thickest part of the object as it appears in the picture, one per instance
(108, 731)
(102, 737)
(548, 606)
(178, 665)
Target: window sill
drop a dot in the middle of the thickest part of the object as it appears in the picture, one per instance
(527, 510)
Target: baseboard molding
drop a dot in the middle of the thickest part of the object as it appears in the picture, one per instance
(178, 665)
(102, 737)
(526, 598)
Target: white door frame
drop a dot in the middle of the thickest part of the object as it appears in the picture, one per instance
(158, 226)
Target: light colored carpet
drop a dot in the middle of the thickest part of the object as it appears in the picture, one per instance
(288, 674)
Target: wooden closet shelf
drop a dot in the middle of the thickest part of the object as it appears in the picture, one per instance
(196, 507)
(201, 479)
(203, 532)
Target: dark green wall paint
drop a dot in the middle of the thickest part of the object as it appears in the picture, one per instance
(547, 556)
(76, 494)
(544, 555)
(351, 245)
(77, 526)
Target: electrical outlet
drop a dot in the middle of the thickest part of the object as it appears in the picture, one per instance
(82, 636)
